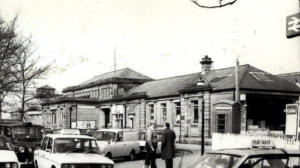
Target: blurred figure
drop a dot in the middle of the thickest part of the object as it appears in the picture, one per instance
(151, 146)
(168, 146)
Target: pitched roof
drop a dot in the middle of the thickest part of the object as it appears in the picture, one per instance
(125, 75)
(292, 77)
(251, 78)
(46, 87)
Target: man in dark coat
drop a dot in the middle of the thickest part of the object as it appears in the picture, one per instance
(168, 146)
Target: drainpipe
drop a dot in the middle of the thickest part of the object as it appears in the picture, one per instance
(237, 81)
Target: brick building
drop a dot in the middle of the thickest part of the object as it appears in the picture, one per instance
(126, 98)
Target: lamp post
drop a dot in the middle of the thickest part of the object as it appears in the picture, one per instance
(203, 84)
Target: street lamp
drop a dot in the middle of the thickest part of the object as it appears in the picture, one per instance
(203, 84)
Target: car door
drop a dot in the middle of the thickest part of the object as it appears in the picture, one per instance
(118, 147)
(39, 155)
(48, 162)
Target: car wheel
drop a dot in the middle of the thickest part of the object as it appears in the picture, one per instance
(108, 155)
(131, 156)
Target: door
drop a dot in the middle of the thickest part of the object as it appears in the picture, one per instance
(40, 155)
(106, 117)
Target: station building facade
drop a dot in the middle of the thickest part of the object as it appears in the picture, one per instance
(128, 99)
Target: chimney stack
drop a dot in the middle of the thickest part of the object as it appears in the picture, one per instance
(206, 64)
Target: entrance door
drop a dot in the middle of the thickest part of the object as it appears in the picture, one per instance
(106, 117)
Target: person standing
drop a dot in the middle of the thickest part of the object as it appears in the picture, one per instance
(151, 146)
(168, 146)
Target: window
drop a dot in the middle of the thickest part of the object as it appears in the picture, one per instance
(53, 116)
(261, 76)
(151, 109)
(44, 143)
(221, 123)
(218, 79)
(164, 112)
(119, 120)
(49, 145)
(177, 111)
(195, 111)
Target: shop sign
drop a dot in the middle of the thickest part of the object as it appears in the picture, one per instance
(84, 124)
(293, 25)
(117, 109)
(291, 109)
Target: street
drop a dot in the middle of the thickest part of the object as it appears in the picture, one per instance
(139, 163)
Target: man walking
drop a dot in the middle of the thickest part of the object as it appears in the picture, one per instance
(168, 146)
(151, 146)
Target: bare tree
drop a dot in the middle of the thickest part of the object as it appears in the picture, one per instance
(213, 3)
(18, 67)
(9, 57)
(28, 72)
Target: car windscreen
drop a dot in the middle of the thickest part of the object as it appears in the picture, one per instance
(215, 161)
(75, 145)
(105, 135)
(27, 132)
(4, 144)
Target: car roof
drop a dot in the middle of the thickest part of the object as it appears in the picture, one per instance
(114, 130)
(254, 151)
(68, 136)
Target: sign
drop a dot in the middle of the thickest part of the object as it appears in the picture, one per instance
(293, 25)
(291, 109)
(117, 109)
(265, 143)
(291, 119)
(84, 124)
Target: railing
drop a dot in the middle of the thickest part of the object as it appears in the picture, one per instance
(228, 141)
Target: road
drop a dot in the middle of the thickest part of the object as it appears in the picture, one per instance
(188, 158)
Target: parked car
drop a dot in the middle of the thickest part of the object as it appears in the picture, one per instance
(116, 143)
(262, 156)
(70, 151)
(24, 137)
(8, 157)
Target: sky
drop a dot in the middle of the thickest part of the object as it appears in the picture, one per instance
(158, 38)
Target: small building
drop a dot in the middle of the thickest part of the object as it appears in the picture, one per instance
(128, 99)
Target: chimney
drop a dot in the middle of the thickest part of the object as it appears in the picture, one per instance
(206, 64)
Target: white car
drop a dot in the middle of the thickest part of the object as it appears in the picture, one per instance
(8, 157)
(115, 143)
(70, 151)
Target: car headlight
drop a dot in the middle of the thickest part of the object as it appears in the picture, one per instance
(14, 165)
(30, 150)
(68, 166)
(21, 149)
(11, 165)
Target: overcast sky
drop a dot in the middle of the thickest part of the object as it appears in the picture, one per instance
(159, 38)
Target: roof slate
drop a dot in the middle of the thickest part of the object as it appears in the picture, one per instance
(125, 75)
(220, 79)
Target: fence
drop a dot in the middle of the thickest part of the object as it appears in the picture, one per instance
(227, 141)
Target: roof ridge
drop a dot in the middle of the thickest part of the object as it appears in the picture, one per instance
(286, 74)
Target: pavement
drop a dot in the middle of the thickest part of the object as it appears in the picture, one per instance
(193, 148)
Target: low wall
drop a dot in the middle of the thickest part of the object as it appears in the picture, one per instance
(228, 141)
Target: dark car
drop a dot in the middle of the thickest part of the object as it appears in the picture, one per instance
(24, 137)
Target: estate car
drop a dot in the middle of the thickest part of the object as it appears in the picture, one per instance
(70, 151)
(8, 157)
(116, 143)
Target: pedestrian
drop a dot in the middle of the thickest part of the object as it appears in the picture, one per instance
(168, 146)
(151, 146)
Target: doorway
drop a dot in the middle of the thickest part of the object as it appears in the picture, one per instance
(106, 117)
